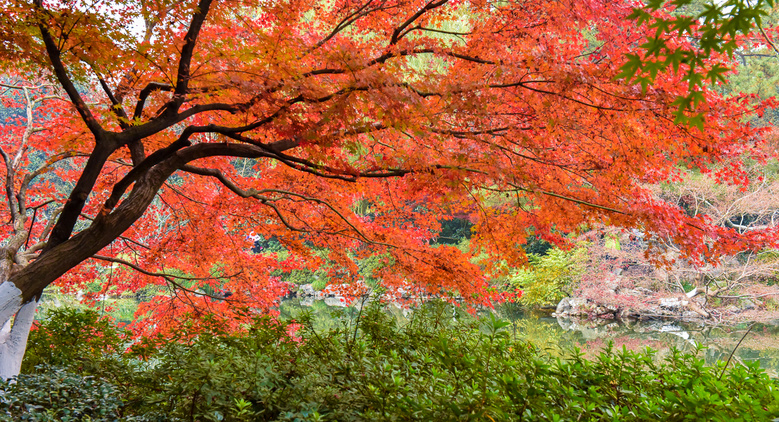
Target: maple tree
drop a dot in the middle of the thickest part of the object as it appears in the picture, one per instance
(715, 27)
(344, 129)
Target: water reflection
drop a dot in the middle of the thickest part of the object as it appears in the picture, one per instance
(558, 335)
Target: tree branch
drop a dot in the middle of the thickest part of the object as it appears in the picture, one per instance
(145, 92)
(347, 21)
(257, 194)
(116, 106)
(136, 172)
(567, 198)
(190, 40)
(400, 31)
(168, 277)
(78, 196)
(13, 206)
(53, 53)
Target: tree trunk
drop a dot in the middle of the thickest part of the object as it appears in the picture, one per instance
(16, 319)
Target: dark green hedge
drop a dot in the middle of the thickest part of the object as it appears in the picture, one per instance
(431, 369)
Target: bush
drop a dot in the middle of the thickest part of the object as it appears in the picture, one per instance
(213, 377)
(72, 337)
(319, 284)
(437, 368)
(550, 277)
(301, 277)
(433, 368)
(53, 394)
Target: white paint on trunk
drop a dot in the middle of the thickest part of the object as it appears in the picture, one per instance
(10, 301)
(5, 331)
(13, 337)
(12, 349)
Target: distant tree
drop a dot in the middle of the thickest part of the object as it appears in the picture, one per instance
(744, 209)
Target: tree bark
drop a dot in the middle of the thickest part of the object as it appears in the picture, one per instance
(17, 319)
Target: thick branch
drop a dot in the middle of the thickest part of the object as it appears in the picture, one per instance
(78, 197)
(152, 160)
(62, 76)
(145, 92)
(183, 75)
(63, 253)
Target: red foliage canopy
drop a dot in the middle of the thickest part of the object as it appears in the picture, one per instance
(344, 129)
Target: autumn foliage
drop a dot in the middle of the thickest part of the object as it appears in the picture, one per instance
(344, 130)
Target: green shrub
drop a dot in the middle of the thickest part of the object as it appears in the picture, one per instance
(319, 284)
(72, 337)
(435, 367)
(631, 386)
(550, 277)
(53, 394)
(370, 266)
(301, 277)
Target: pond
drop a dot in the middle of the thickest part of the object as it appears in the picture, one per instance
(559, 336)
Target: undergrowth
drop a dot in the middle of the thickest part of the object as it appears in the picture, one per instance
(433, 368)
